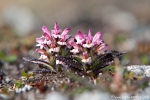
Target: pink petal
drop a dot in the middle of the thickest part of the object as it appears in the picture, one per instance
(89, 38)
(65, 32)
(55, 34)
(80, 37)
(47, 37)
(90, 35)
(56, 27)
(39, 40)
(69, 42)
(45, 30)
(97, 38)
(101, 48)
(41, 51)
(76, 49)
(64, 35)
(86, 58)
(56, 30)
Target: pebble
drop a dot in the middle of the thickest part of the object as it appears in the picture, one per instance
(140, 69)
(55, 96)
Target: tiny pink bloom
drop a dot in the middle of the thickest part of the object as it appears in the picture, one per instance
(69, 42)
(86, 59)
(63, 37)
(54, 48)
(40, 42)
(89, 38)
(56, 31)
(45, 30)
(101, 48)
(64, 34)
(41, 51)
(76, 48)
(97, 38)
(80, 38)
(44, 57)
(47, 37)
(56, 27)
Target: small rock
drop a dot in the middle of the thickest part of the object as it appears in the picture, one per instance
(55, 96)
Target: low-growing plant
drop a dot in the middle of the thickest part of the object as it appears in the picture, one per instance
(85, 54)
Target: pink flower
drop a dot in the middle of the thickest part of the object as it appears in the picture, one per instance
(69, 42)
(56, 31)
(63, 37)
(45, 30)
(45, 39)
(101, 48)
(88, 43)
(44, 54)
(85, 58)
(41, 51)
(40, 42)
(80, 37)
(76, 48)
(97, 38)
(54, 48)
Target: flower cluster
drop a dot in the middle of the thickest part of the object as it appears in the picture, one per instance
(83, 53)
(50, 43)
(58, 41)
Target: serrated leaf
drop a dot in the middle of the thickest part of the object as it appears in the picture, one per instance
(40, 62)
